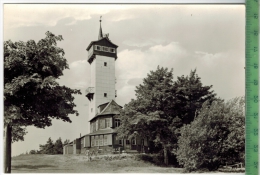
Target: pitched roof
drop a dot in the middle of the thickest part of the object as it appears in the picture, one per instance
(104, 38)
(111, 108)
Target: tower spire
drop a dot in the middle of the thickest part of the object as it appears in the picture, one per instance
(100, 35)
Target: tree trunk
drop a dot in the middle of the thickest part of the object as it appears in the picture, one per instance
(166, 160)
(7, 149)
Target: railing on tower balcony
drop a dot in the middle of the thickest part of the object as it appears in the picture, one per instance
(90, 92)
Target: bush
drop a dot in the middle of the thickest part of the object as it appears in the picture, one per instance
(157, 159)
(215, 137)
(144, 157)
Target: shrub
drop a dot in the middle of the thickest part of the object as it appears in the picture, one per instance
(157, 159)
(215, 137)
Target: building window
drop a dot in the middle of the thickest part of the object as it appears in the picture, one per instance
(127, 142)
(102, 124)
(98, 48)
(96, 125)
(105, 140)
(117, 122)
(82, 141)
(92, 141)
(112, 50)
(91, 127)
(142, 142)
(96, 140)
(101, 140)
(120, 142)
(105, 49)
(107, 122)
(105, 63)
(105, 94)
(133, 141)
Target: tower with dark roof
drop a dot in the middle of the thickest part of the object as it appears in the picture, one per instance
(104, 112)
(102, 55)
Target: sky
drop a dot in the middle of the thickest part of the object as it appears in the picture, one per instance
(208, 38)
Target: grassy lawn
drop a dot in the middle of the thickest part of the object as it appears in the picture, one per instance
(40, 163)
(77, 164)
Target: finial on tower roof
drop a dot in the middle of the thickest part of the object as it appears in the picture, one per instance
(100, 35)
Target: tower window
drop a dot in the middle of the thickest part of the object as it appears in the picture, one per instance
(105, 49)
(112, 50)
(105, 94)
(98, 47)
(105, 63)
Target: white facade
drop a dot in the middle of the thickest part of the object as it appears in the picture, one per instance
(103, 81)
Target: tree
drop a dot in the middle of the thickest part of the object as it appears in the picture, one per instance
(66, 142)
(215, 137)
(49, 147)
(190, 95)
(152, 113)
(162, 106)
(17, 133)
(31, 94)
(58, 147)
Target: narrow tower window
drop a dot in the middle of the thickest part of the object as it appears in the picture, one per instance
(105, 63)
(98, 48)
(105, 94)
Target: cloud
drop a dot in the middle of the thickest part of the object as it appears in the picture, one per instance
(16, 15)
(136, 42)
(137, 63)
(122, 17)
(134, 65)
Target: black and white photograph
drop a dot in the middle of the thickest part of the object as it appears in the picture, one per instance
(124, 88)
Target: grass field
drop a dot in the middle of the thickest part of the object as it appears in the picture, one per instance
(40, 163)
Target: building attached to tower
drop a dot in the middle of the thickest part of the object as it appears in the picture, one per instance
(103, 110)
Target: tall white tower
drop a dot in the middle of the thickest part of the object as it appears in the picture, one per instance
(102, 55)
